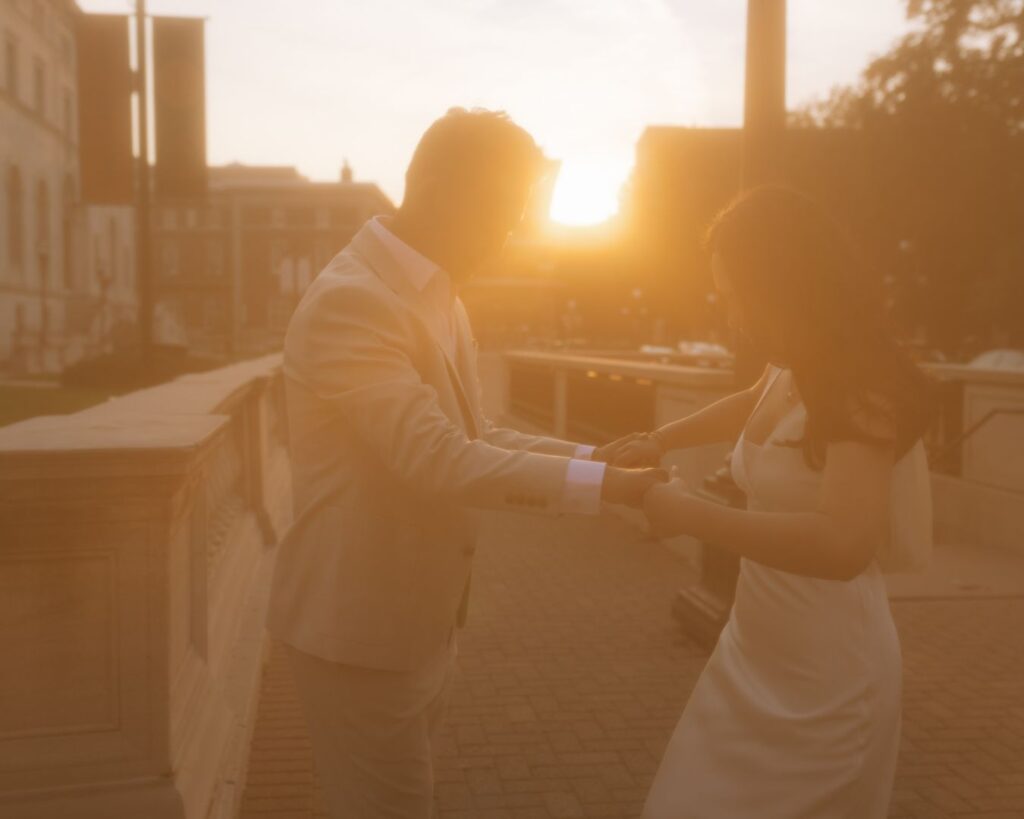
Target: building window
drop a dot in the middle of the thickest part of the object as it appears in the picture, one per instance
(97, 265)
(215, 257)
(67, 229)
(40, 83)
(169, 259)
(343, 216)
(43, 231)
(112, 254)
(15, 218)
(11, 67)
(256, 216)
(69, 125)
(300, 217)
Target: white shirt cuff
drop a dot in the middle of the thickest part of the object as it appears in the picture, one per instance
(584, 452)
(582, 492)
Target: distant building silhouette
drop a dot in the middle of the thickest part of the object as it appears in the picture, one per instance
(67, 270)
(231, 268)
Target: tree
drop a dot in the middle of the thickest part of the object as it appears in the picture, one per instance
(942, 114)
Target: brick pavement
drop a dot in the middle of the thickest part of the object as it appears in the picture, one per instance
(573, 674)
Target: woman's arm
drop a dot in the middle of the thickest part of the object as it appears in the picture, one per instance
(837, 541)
(718, 422)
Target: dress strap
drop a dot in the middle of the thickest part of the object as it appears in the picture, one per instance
(760, 400)
(768, 387)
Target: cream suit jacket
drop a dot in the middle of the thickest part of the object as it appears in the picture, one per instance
(390, 453)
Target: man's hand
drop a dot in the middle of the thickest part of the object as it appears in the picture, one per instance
(628, 486)
(639, 449)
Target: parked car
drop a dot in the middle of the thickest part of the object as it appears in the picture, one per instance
(999, 360)
(691, 354)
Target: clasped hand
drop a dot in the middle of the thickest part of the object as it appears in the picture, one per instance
(662, 493)
(629, 486)
(638, 449)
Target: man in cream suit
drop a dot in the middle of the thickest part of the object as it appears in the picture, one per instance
(391, 453)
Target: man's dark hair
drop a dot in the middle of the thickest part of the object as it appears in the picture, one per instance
(468, 144)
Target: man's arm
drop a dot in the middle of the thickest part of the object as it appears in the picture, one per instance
(514, 439)
(351, 350)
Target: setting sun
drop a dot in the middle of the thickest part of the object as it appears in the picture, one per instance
(587, 192)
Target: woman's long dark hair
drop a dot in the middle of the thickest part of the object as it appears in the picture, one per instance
(812, 307)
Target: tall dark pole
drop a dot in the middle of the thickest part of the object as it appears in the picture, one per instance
(764, 126)
(764, 99)
(142, 225)
(703, 607)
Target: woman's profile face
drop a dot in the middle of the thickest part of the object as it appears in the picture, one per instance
(739, 317)
(727, 292)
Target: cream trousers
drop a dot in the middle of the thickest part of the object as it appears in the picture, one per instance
(374, 732)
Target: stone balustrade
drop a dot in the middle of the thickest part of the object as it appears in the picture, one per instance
(978, 476)
(135, 557)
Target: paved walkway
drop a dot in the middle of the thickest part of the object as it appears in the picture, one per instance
(573, 674)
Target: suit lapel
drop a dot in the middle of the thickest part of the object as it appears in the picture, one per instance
(467, 359)
(367, 245)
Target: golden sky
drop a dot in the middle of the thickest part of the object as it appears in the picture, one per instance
(312, 82)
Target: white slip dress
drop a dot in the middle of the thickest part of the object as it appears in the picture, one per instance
(797, 712)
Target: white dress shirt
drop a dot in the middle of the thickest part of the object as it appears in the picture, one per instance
(582, 493)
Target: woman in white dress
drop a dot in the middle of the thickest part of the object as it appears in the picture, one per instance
(797, 713)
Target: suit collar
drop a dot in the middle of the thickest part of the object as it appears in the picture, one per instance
(417, 268)
(368, 244)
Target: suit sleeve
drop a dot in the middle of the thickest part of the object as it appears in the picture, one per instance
(352, 350)
(514, 439)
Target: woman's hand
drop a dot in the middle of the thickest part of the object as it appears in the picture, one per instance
(664, 505)
(609, 451)
(638, 449)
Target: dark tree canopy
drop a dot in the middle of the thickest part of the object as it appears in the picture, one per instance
(942, 114)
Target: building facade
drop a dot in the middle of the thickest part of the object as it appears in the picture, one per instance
(230, 269)
(66, 270)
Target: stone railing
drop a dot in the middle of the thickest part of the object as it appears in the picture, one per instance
(978, 457)
(978, 485)
(134, 567)
(594, 398)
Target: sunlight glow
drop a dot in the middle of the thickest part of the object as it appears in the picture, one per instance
(587, 192)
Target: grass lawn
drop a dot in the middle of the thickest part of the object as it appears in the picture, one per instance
(19, 402)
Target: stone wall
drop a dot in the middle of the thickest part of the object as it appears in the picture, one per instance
(135, 560)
